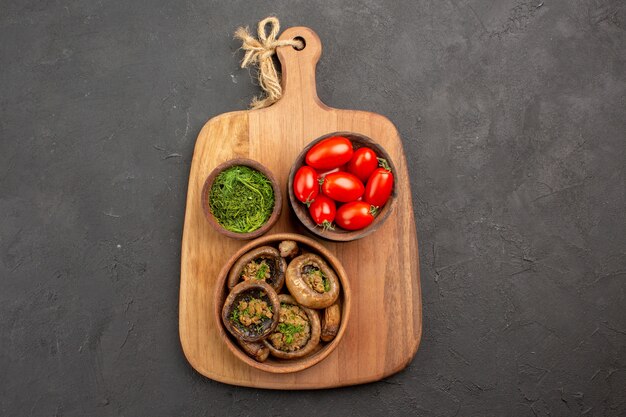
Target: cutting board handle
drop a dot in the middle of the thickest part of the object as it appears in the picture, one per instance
(298, 67)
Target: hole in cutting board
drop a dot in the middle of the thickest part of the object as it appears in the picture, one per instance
(301, 39)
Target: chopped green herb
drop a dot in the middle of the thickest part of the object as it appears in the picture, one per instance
(260, 274)
(234, 316)
(326, 284)
(241, 199)
(289, 330)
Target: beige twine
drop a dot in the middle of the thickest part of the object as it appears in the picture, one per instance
(260, 51)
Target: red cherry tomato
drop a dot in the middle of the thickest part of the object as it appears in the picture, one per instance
(323, 211)
(342, 186)
(355, 215)
(305, 184)
(363, 163)
(322, 173)
(330, 153)
(379, 187)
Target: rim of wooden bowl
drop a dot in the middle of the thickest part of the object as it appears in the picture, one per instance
(274, 365)
(208, 183)
(339, 235)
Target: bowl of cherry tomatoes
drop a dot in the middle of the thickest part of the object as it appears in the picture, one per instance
(341, 186)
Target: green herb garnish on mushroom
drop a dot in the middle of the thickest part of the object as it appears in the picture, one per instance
(250, 310)
(262, 271)
(298, 331)
(312, 282)
(288, 331)
(260, 264)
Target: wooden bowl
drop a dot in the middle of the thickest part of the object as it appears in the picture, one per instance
(278, 198)
(274, 365)
(341, 235)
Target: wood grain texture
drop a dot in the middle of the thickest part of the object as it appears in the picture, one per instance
(383, 268)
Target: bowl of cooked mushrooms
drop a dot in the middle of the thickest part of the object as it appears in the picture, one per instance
(282, 303)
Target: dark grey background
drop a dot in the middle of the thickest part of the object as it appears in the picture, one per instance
(513, 116)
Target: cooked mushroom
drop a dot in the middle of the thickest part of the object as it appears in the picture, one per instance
(288, 248)
(260, 264)
(257, 350)
(250, 311)
(331, 319)
(312, 282)
(298, 331)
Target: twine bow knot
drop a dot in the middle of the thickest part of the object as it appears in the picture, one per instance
(260, 51)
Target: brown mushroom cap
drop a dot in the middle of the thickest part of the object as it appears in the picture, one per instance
(314, 339)
(301, 291)
(288, 248)
(330, 322)
(245, 290)
(256, 350)
(277, 265)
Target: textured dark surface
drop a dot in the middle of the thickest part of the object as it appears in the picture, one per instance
(513, 115)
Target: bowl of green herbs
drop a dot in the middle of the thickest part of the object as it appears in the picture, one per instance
(241, 199)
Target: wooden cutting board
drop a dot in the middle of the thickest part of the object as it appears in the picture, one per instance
(383, 268)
